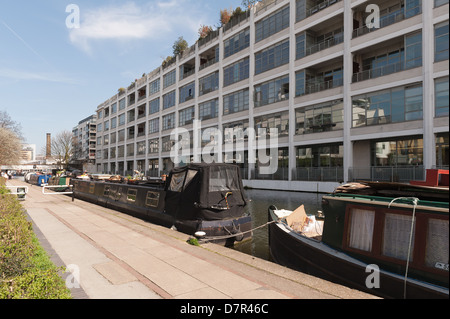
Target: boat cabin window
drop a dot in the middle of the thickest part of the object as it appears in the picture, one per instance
(361, 229)
(437, 244)
(397, 230)
(152, 199)
(177, 181)
(131, 195)
(91, 188)
(223, 179)
(106, 192)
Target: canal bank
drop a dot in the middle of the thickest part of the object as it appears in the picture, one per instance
(116, 256)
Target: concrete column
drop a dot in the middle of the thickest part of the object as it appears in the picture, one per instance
(251, 123)
(348, 70)
(292, 120)
(429, 140)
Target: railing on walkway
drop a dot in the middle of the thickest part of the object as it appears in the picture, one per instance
(20, 191)
(387, 174)
(318, 174)
(65, 187)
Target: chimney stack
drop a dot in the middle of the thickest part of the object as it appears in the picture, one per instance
(49, 145)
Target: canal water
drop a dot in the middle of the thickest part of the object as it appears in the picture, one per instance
(260, 200)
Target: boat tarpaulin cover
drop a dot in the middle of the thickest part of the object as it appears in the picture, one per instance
(205, 191)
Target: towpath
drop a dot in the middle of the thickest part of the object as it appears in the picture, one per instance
(116, 256)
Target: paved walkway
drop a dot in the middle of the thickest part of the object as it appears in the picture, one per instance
(117, 256)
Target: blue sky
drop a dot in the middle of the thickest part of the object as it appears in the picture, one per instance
(51, 76)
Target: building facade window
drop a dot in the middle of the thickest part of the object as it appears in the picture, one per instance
(170, 79)
(154, 106)
(389, 106)
(236, 102)
(169, 100)
(441, 97)
(323, 117)
(114, 108)
(438, 3)
(153, 146)
(155, 86)
(235, 131)
(153, 126)
(272, 57)
(187, 92)
(167, 144)
(279, 121)
(272, 24)
(272, 91)
(412, 8)
(413, 50)
(209, 83)
(441, 42)
(113, 122)
(442, 150)
(122, 104)
(130, 150)
(122, 119)
(140, 148)
(397, 152)
(208, 110)
(121, 135)
(168, 122)
(186, 116)
(331, 155)
(237, 43)
(236, 72)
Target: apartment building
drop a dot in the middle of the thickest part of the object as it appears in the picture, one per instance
(351, 100)
(85, 143)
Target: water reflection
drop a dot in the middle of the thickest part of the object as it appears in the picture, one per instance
(260, 200)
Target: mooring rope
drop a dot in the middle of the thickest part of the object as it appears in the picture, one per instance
(209, 238)
(415, 202)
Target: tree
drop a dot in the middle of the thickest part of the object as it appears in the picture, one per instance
(10, 147)
(179, 46)
(63, 148)
(204, 31)
(225, 16)
(7, 123)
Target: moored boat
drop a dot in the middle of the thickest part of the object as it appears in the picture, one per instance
(195, 199)
(391, 240)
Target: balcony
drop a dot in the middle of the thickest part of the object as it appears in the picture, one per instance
(307, 8)
(209, 57)
(187, 69)
(337, 39)
(390, 14)
(312, 81)
(378, 72)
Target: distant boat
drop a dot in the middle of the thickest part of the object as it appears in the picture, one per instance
(365, 240)
(206, 199)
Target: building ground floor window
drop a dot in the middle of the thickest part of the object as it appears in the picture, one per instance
(442, 150)
(399, 159)
(319, 163)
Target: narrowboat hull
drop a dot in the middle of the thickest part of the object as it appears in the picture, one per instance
(316, 258)
(148, 203)
(39, 180)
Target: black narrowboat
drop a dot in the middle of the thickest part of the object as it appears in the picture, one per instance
(195, 199)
